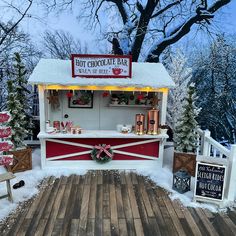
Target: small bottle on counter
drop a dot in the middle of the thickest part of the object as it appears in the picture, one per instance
(56, 125)
(47, 124)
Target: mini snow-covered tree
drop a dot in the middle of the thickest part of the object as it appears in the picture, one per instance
(185, 135)
(176, 65)
(17, 103)
(18, 118)
(20, 82)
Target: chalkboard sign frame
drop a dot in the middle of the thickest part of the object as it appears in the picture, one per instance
(207, 198)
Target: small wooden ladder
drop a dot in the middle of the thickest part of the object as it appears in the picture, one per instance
(7, 177)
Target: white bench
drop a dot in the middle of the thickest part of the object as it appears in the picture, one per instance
(7, 177)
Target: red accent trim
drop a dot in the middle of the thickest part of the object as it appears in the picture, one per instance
(102, 56)
(72, 65)
(57, 149)
(130, 66)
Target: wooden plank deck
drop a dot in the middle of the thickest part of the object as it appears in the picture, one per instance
(113, 203)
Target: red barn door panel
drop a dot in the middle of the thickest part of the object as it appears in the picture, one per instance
(54, 149)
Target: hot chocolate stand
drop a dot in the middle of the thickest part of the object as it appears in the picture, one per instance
(97, 106)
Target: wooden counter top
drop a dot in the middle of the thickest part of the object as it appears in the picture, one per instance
(99, 134)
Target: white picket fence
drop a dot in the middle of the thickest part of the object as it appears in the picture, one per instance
(210, 150)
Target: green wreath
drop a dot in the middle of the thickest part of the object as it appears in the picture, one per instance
(102, 153)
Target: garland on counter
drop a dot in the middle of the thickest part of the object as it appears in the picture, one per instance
(102, 153)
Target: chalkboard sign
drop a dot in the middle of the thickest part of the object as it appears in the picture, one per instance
(210, 181)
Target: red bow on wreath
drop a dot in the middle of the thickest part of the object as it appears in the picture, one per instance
(102, 149)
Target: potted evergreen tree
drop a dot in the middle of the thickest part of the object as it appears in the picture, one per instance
(21, 126)
(185, 135)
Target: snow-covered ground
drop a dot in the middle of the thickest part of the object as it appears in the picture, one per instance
(33, 177)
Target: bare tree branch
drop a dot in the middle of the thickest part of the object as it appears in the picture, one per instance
(23, 14)
(167, 7)
(182, 30)
(142, 28)
(142, 23)
(61, 44)
(121, 9)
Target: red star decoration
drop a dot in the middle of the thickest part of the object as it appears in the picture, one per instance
(140, 96)
(69, 95)
(105, 94)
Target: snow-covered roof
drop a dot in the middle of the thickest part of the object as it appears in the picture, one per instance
(58, 72)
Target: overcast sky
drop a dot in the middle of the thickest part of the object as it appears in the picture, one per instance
(224, 20)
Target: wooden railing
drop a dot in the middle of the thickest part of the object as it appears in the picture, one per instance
(209, 149)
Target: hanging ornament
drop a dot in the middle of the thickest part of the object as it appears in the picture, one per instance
(131, 97)
(140, 97)
(105, 94)
(53, 99)
(154, 101)
(69, 94)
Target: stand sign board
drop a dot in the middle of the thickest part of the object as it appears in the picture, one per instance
(210, 181)
(101, 66)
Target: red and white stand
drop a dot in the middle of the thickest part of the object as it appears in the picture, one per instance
(99, 120)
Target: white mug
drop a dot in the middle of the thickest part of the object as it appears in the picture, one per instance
(51, 130)
(125, 129)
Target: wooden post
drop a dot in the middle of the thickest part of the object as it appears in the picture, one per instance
(232, 174)
(42, 117)
(200, 141)
(161, 151)
(164, 107)
(206, 145)
(10, 198)
(162, 122)
(7, 177)
(43, 153)
(41, 92)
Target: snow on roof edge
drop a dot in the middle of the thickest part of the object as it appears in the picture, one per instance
(58, 72)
